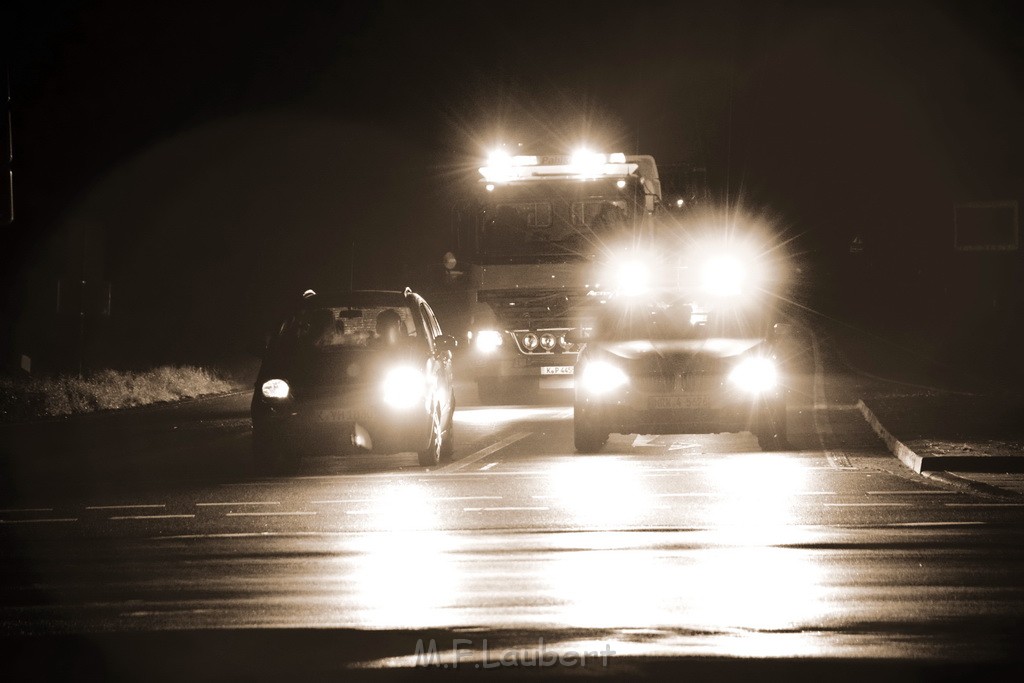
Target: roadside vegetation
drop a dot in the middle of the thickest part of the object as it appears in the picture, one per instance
(28, 398)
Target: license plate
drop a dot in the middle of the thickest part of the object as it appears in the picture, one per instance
(342, 415)
(678, 402)
(556, 370)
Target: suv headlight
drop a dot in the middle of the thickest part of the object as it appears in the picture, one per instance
(600, 377)
(755, 375)
(487, 341)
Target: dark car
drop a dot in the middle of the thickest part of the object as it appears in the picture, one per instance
(656, 367)
(363, 370)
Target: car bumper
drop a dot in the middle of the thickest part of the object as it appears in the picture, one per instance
(329, 425)
(642, 413)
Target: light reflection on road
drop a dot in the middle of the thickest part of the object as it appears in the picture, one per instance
(735, 580)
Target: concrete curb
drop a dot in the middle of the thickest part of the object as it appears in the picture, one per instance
(938, 463)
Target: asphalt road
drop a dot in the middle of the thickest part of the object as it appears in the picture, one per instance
(126, 536)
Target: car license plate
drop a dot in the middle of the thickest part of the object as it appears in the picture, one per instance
(342, 415)
(678, 402)
(556, 370)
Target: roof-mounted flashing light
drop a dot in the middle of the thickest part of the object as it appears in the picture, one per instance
(502, 167)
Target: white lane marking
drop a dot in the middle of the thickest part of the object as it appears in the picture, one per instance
(503, 509)
(484, 452)
(202, 505)
(124, 507)
(914, 493)
(340, 501)
(822, 422)
(270, 514)
(468, 498)
(488, 466)
(984, 505)
(27, 510)
(152, 517)
(867, 505)
(902, 524)
(644, 440)
(38, 521)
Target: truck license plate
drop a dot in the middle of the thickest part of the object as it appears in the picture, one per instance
(556, 370)
(678, 402)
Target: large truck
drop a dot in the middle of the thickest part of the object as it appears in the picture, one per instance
(543, 239)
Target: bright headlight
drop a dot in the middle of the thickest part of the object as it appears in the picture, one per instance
(755, 375)
(723, 276)
(600, 377)
(488, 340)
(403, 387)
(633, 278)
(275, 388)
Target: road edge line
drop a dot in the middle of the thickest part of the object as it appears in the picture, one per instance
(905, 455)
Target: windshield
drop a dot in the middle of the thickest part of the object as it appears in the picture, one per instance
(670, 321)
(333, 328)
(559, 220)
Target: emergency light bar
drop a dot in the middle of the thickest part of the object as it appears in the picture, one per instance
(582, 165)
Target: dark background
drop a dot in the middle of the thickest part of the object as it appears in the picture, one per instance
(206, 159)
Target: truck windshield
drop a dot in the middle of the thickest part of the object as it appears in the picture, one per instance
(560, 221)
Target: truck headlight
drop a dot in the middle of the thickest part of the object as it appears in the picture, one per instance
(600, 377)
(275, 388)
(487, 341)
(755, 375)
(633, 278)
(723, 276)
(403, 387)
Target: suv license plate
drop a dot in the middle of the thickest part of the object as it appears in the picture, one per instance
(556, 370)
(678, 402)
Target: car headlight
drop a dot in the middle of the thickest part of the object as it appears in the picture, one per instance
(723, 276)
(600, 377)
(755, 375)
(403, 387)
(275, 388)
(487, 340)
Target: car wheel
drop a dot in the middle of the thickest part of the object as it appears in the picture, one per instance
(588, 435)
(448, 434)
(431, 455)
(273, 457)
(771, 427)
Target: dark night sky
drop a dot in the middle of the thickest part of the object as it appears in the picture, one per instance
(214, 153)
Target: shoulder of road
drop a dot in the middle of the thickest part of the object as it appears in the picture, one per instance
(944, 421)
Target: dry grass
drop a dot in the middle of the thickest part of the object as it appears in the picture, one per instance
(104, 390)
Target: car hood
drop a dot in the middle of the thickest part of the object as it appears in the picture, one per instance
(307, 369)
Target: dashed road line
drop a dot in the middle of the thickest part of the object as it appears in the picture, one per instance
(867, 505)
(271, 514)
(488, 466)
(484, 452)
(15, 510)
(149, 517)
(271, 502)
(505, 509)
(125, 507)
(916, 492)
(39, 521)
